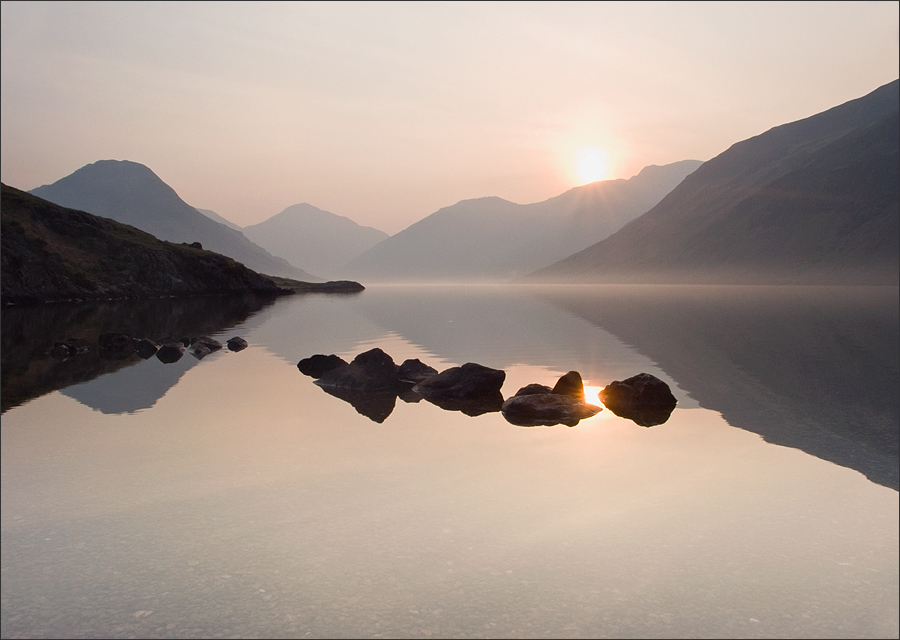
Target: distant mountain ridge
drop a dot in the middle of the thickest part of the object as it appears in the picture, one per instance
(810, 202)
(492, 239)
(212, 215)
(319, 240)
(131, 193)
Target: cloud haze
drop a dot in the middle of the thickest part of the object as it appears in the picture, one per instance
(386, 112)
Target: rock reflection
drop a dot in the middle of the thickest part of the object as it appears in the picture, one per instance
(41, 344)
(647, 417)
(375, 405)
(472, 407)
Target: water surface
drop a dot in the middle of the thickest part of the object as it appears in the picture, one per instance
(232, 497)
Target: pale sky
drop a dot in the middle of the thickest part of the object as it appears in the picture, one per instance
(386, 112)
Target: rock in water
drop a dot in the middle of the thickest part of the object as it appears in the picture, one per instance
(570, 385)
(471, 380)
(643, 398)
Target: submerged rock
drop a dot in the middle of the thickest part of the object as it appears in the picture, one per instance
(210, 343)
(200, 350)
(145, 348)
(236, 344)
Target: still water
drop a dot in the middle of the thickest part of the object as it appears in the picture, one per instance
(230, 496)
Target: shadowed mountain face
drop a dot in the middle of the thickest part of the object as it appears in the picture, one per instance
(494, 240)
(318, 240)
(814, 368)
(131, 193)
(51, 254)
(812, 202)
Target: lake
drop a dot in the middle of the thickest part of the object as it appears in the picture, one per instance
(230, 496)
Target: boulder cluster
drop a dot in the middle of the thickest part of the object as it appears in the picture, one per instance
(372, 382)
(118, 346)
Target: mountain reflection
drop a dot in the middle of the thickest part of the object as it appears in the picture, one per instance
(813, 368)
(30, 332)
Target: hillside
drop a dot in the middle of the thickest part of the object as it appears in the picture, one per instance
(51, 253)
(491, 239)
(319, 240)
(809, 202)
(131, 193)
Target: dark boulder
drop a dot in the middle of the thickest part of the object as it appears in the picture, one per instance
(643, 398)
(547, 409)
(414, 371)
(373, 370)
(145, 348)
(469, 381)
(318, 365)
(532, 389)
(236, 344)
(170, 352)
(570, 385)
(538, 405)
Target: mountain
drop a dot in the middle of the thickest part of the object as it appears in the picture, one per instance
(320, 241)
(131, 193)
(212, 215)
(809, 202)
(491, 239)
(51, 253)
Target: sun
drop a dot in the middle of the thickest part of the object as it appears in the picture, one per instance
(592, 164)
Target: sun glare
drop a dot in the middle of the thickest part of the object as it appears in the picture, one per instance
(592, 164)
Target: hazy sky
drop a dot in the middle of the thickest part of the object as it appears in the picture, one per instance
(386, 112)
